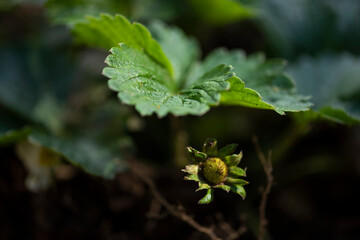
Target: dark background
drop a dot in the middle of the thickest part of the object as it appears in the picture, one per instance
(316, 169)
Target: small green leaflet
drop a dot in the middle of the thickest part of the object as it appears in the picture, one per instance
(166, 77)
(334, 83)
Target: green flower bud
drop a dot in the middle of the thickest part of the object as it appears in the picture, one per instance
(214, 170)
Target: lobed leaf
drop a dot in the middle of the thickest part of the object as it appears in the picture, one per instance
(88, 155)
(260, 84)
(140, 81)
(333, 81)
(181, 50)
(140, 70)
(108, 31)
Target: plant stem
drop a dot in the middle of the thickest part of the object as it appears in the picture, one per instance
(180, 141)
(267, 166)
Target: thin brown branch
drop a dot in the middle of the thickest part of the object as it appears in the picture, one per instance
(238, 233)
(267, 166)
(171, 209)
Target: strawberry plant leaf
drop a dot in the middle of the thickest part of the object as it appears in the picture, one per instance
(71, 12)
(34, 83)
(183, 56)
(144, 83)
(107, 31)
(164, 77)
(87, 154)
(333, 82)
(267, 86)
(296, 27)
(220, 12)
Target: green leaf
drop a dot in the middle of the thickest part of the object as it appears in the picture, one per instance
(295, 27)
(239, 190)
(333, 81)
(143, 83)
(145, 78)
(71, 12)
(208, 198)
(93, 158)
(219, 12)
(34, 82)
(12, 127)
(263, 82)
(182, 51)
(236, 171)
(12, 136)
(227, 150)
(233, 160)
(108, 31)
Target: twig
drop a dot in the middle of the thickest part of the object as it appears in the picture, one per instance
(267, 166)
(238, 233)
(225, 226)
(172, 210)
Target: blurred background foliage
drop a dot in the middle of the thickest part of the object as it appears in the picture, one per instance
(52, 94)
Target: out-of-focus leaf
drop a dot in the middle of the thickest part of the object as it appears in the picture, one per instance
(220, 12)
(13, 135)
(71, 12)
(12, 127)
(34, 82)
(310, 26)
(99, 160)
(8, 4)
(333, 81)
(263, 82)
